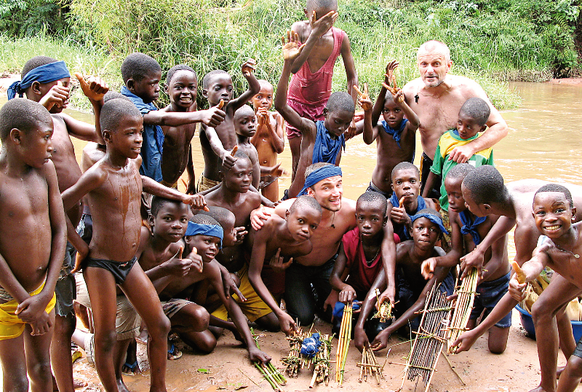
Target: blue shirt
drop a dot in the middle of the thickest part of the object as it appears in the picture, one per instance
(153, 139)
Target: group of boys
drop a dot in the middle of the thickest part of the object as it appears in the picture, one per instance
(199, 263)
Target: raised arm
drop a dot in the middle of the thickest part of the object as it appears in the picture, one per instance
(349, 66)
(291, 49)
(318, 28)
(151, 186)
(211, 117)
(248, 69)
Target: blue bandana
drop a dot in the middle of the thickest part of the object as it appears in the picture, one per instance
(396, 133)
(471, 227)
(44, 74)
(198, 229)
(433, 218)
(319, 175)
(326, 148)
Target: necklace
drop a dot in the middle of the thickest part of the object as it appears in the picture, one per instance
(332, 220)
(373, 258)
(576, 255)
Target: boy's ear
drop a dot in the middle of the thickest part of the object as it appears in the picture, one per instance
(306, 15)
(287, 213)
(151, 222)
(35, 88)
(573, 214)
(205, 93)
(166, 88)
(483, 128)
(16, 135)
(130, 84)
(385, 220)
(106, 135)
(487, 206)
(325, 112)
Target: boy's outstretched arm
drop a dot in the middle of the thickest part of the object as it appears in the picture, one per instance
(236, 314)
(318, 28)
(248, 71)
(367, 306)
(255, 267)
(337, 279)
(291, 50)
(450, 259)
(157, 189)
(211, 117)
(90, 180)
(225, 156)
(388, 249)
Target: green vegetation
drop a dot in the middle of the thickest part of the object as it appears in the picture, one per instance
(492, 41)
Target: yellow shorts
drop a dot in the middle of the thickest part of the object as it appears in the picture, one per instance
(11, 326)
(206, 183)
(254, 307)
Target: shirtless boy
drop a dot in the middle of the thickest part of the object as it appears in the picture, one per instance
(141, 75)
(312, 70)
(285, 239)
(467, 230)
(427, 227)
(203, 237)
(436, 98)
(269, 138)
(217, 141)
(46, 80)
(30, 264)
(235, 195)
(395, 136)
(406, 200)
(554, 213)
(485, 193)
(114, 187)
(245, 126)
(323, 140)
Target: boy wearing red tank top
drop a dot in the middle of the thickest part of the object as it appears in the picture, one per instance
(312, 70)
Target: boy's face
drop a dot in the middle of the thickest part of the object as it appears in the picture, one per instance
(393, 115)
(454, 194)
(245, 123)
(219, 87)
(467, 126)
(553, 214)
(425, 233)
(370, 218)
(264, 99)
(127, 139)
(207, 246)
(239, 177)
(338, 121)
(229, 232)
(328, 193)
(182, 89)
(476, 209)
(147, 88)
(36, 145)
(405, 183)
(171, 221)
(302, 223)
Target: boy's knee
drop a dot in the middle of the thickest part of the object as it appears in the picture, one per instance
(304, 318)
(200, 318)
(105, 341)
(64, 326)
(270, 322)
(40, 373)
(574, 366)
(160, 328)
(207, 345)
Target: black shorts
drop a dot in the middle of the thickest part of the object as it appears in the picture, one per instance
(118, 269)
(425, 164)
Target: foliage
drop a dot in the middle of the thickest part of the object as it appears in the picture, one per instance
(20, 18)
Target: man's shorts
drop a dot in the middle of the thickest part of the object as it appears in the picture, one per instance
(11, 326)
(205, 184)
(65, 289)
(578, 351)
(488, 295)
(173, 306)
(254, 307)
(374, 188)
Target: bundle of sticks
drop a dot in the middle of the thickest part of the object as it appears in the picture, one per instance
(463, 306)
(294, 361)
(321, 362)
(269, 371)
(345, 335)
(369, 366)
(429, 339)
(384, 312)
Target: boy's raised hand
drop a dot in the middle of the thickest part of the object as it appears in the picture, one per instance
(57, 96)
(399, 214)
(390, 82)
(94, 88)
(322, 25)
(364, 98)
(291, 48)
(214, 116)
(248, 67)
(178, 266)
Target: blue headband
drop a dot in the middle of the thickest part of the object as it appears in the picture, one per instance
(433, 218)
(198, 229)
(43, 74)
(320, 174)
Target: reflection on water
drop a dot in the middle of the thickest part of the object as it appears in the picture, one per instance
(543, 142)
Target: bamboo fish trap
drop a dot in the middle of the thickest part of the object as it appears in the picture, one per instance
(320, 362)
(345, 335)
(465, 299)
(429, 339)
(369, 366)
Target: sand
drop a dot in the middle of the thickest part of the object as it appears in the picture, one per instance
(228, 368)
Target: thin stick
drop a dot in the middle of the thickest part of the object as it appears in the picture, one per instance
(454, 370)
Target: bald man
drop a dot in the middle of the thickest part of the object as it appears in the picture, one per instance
(436, 97)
